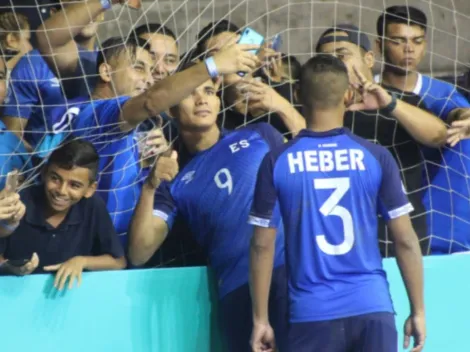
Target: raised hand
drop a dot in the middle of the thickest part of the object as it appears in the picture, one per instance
(260, 96)
(11, 207)
(154, 143)
(165, 169)
(459, 129)
(271, 62)
(233, 58)
(372, 95)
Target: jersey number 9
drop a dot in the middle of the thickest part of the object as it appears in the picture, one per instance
(223, 179)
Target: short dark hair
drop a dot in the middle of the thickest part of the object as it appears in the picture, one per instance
(213, 29)
(76, 153)
(401, 14)
(115, 46)
(154, 28)
(323, 82)
(294, 66)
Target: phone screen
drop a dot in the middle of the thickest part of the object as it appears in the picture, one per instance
(12, 180)
(250, 36)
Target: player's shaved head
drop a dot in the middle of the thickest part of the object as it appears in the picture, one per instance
(323, 82)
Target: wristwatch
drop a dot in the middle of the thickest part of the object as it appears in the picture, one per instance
(391, 106)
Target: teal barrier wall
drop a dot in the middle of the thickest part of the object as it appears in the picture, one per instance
(171, 310)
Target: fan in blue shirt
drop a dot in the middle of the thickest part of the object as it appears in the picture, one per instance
(330, 185)
(212, 192)
(446, 194)
(125, 95)
(63, 66)
(33, 90)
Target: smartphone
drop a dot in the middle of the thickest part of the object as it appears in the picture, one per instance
(17, 262)
(12, 180)
(250, 36)
(276, 43)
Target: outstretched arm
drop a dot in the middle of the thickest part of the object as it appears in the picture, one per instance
(170, 91)
(56, 35)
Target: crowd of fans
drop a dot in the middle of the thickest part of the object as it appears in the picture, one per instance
(94, 129)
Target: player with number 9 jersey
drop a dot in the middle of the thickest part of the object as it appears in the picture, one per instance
(213, 193)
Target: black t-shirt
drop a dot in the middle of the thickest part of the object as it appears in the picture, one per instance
(386, 131)
(87, 230)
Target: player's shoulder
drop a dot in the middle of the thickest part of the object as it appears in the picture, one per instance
(107, 106)
(29, 63)
(380, 153)
(283, 148)
(433, 86)
(264, 130)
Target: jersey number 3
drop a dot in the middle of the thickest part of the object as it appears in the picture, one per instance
(340, 186)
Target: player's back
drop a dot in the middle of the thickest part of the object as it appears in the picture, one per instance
(329, 187)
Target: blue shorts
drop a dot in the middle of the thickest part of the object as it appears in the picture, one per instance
(363, 333)
(237, 318)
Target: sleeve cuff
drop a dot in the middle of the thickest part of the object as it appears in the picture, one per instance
(403, 210)
(257, 221)
(161, 214)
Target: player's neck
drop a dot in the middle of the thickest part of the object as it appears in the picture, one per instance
(405, 82)
(325, 120)
(87, 43)
(198, 141)
(102, 91)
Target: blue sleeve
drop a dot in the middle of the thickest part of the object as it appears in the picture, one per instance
(13, 155)
(449, 99)
(392, 201)
(269, 134)
(23, 90)
(164, 204)
(263, 211)
(101, 118)
(107, 240)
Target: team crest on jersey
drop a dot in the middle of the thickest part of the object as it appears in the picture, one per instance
(54, 82)
(188, 177)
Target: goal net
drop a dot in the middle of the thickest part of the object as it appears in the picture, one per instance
(299, 23)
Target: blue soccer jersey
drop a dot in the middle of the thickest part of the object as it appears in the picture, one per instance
(121, 176)
(213, 192)
(13, 155)
(34, 90)
(330, 186)
(447, 193)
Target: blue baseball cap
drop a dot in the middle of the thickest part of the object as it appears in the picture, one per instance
(352, 35)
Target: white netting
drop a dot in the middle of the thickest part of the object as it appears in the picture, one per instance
(300, 24)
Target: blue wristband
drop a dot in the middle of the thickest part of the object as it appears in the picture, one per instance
(211, 67)
(106, 4)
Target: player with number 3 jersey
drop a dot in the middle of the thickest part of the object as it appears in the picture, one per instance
(330, 185)
(211, 186)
